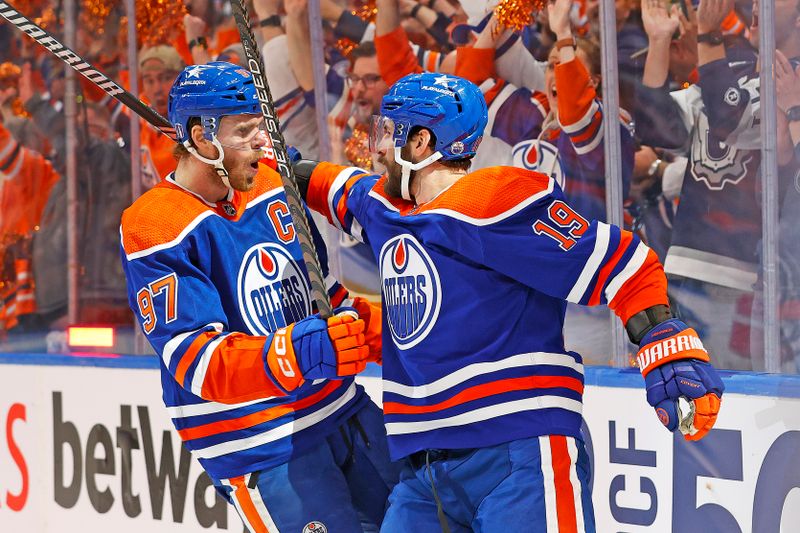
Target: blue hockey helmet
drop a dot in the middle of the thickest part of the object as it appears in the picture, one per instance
(452, 108)
(210, 92)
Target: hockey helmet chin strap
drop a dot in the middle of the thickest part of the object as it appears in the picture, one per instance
(408, 166)
(216, 163)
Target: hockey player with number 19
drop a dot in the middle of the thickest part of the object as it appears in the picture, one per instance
(479, 395)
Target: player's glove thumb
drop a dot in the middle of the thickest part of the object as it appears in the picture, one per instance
(372, 315)
(314, 348)
(677, 371)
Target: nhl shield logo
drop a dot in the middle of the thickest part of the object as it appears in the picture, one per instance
(315, 527)
(272, 289)
(411, 290)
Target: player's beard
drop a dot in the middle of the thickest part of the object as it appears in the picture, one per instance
(241, 174)
(394, 173)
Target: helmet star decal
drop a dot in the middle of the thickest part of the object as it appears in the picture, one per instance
(194, 72)
(441, 80)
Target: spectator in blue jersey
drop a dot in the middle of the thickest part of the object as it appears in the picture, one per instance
(258, 386)
(714, 252)
(481, 399)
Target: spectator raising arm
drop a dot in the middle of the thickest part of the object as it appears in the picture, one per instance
(658, 117)
(395, 56)
(660, 25)
(298, 40)
(196, 32)
(787, 81)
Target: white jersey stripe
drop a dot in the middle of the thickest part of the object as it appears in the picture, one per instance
(208, 408)
(261, 506)
(174, 342)
(238, 507)
(486, 413)
(572, 448)
(548, 478)
(583, 122)
(634, 263)
(186, 231)
(585, 149)
(592, 264)
(337, 184)
(265, 196)
(386, 203)
(200, 372)
(278, 432)
(477, 369)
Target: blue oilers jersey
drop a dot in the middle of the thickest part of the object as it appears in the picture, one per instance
(208, 283)
(474, 287)
(716, 232)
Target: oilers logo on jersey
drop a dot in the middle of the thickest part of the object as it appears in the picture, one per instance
(272, 289)
(540, 156)
(411, 290)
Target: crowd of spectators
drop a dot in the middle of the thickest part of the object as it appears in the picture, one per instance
(689, 127)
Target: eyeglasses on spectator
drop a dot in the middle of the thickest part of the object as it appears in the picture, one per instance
(369, 80)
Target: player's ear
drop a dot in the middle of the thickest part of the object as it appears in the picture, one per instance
(421, 141)
(198, 140)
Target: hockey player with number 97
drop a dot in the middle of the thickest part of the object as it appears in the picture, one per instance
(259, 387)
(480, 397)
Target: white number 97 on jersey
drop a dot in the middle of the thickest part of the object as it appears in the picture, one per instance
(168, 286)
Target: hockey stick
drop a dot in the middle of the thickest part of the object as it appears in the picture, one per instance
(256, 66)
(72, 59)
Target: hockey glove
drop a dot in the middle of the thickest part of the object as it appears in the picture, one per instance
(372, 315)
(314, 348)
(676, 368)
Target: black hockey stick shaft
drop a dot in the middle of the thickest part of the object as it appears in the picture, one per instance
(72, 59)
(256, 66)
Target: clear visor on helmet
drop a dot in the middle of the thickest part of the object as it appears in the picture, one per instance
(381, 133)
(385, 133)
(243, 135)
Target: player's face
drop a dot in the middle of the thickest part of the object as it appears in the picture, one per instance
(381, 144)
(243, 138)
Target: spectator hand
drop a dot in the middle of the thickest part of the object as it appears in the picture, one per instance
(676, 369)
(711, 13)
(660, 23)
(26, 91)
(194, 27)
(787, 82)
(406, 6)
(558, 12)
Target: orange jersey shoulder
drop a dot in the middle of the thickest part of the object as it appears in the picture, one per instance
(159, 216)
(490, 192)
